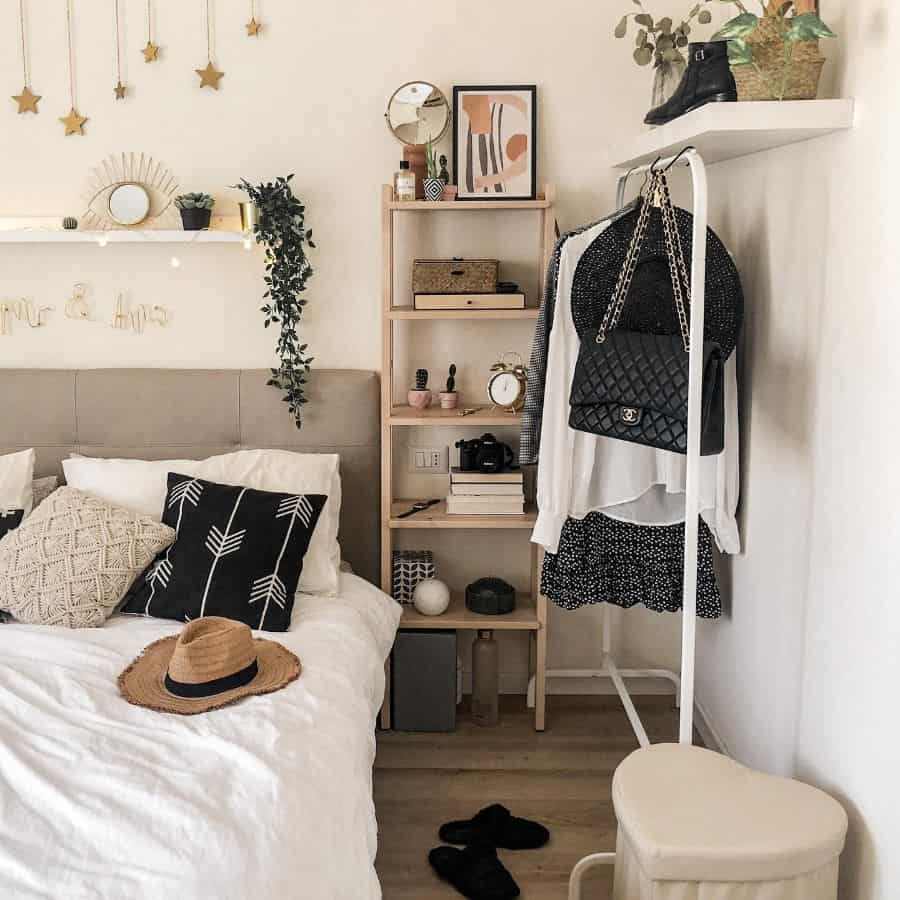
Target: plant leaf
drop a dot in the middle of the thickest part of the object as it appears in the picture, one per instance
(643, 56)
(622, 27)
(738, 27)
(808, 27)
(641, 38)
(665, 25)
(740, 53)
(704, 17)
(644, 19)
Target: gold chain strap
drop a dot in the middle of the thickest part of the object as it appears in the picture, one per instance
(614, 310)
(677, 267)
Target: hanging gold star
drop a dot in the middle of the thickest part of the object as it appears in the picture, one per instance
(74, 123)
(27, 101)
(253, 27)
(120, 90)
(151, 52)
(209, 77)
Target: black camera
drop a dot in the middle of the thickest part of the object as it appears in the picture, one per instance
(484, 454)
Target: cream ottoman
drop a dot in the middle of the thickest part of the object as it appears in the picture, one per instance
(695, 825)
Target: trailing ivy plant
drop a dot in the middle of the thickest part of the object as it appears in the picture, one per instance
(281, 229)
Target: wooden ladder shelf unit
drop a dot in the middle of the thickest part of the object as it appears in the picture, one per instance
(531, 612)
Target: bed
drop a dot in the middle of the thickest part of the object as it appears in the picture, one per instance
(268, 798)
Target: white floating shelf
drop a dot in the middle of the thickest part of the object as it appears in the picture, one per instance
(723, 131)
(148, 236)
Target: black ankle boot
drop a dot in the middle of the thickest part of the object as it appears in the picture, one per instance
(707, 79)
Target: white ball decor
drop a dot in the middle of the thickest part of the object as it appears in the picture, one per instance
(431, 597)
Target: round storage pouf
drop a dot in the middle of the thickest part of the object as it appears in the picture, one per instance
(695, 825)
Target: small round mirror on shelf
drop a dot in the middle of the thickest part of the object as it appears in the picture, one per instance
(416, 112)
(129, 204)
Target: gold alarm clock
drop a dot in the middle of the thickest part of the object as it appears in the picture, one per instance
(506, 387)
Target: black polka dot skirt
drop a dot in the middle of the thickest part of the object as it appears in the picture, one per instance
(603, 560)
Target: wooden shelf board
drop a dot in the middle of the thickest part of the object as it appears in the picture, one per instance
(407, 312)
(438, 517)
(434, 415)
(522, 618)
(466, 205)
(722, 131)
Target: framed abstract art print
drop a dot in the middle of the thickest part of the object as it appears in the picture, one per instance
(494, 138)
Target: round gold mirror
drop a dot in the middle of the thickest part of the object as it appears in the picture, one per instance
(129, 204)
(416, 112)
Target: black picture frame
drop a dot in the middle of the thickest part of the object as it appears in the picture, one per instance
(465, 191)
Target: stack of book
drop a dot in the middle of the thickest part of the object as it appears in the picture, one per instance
(486, 493)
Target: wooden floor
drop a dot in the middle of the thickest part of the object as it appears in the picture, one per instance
(561, 778)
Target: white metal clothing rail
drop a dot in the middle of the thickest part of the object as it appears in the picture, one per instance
(691, 158)
(684, 685)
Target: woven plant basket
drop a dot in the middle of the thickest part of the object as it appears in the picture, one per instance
(768, 54)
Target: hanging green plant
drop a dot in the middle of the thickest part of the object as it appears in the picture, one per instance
(282, 231)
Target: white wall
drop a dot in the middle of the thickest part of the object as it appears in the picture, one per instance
(797, 680)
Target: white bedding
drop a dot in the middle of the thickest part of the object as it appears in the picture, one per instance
(269, 799)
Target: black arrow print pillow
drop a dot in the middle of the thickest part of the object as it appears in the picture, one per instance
(238, 553)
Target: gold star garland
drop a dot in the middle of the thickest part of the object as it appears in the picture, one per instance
(120, 88)
(253, 27)
(73, 121)
(27, 100)
(151, 50)
(209, 76)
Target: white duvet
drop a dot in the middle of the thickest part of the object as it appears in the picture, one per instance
(268, 799)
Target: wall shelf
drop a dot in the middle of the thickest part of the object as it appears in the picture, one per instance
(407, 312)
(136, 236)
(722, 131)
(438, 517)
(467, 205)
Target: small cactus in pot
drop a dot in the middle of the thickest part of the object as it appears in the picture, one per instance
(449, 397)
(196, 210)
(419, 397)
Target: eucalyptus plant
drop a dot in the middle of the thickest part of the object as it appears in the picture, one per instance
(661, 40)
(282, 231)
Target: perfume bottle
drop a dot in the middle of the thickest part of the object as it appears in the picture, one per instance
(404, 182)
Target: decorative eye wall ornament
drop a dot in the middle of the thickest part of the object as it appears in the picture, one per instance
(127, 190)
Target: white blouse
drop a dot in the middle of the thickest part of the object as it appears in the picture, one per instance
(579, 473)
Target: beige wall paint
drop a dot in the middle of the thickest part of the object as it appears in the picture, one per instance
(307, 97)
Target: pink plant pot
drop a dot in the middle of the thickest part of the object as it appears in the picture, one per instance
(449, 399)
(449, 194)
(419, 399)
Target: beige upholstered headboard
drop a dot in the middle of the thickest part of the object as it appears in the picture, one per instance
(193, 413)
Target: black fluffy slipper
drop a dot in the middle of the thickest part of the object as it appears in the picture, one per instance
(496, 825)
(474, 871)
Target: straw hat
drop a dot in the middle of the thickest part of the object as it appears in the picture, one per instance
(212, 663)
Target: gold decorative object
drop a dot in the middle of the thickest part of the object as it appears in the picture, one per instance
(138, 318)
(126, 190)
(74, 122)
(23, 311)
(253, 27)
(119, 88)
(77, 306)
(249, 216)
(209, 76)
(151, 50)
(27, 100)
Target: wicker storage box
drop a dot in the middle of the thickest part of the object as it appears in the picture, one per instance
(766, 80)
(409, 568)
(455, 276)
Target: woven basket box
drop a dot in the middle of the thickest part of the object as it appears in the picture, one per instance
(455, 276)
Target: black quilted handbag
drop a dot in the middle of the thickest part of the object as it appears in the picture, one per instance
(632, 385)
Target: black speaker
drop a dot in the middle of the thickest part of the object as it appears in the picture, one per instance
(423, 673)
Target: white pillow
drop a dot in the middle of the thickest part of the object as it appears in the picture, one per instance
(140, 485)
(16, 475)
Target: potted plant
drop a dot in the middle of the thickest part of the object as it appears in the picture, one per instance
(449, 398)
(660, 41)
(432, 185)
(282, 231)
(775, 55)
(419, 397)
(196, 210)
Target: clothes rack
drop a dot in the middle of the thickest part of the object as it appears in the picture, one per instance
(684, 683)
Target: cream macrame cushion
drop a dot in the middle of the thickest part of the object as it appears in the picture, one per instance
(73, 559)
(695, 825)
